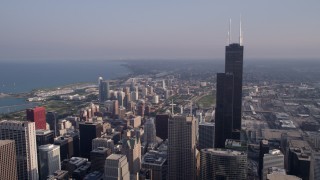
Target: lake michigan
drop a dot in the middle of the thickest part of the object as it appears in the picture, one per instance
(24, 77)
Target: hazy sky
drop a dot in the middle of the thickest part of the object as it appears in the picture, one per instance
(46, 30)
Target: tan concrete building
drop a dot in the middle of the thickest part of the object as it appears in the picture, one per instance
(8, 160)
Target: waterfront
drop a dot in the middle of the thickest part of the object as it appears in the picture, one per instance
(18, 78)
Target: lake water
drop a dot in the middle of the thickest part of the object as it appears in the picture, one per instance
(25, 77)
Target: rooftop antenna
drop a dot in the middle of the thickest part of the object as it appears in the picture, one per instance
(172, 107)
(229, 32)
(240, 37)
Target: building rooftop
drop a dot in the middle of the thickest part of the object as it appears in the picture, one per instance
(47, 147)
(115, 156)
(224, 152)
(43, 131)
(4, 142)
(154, 157)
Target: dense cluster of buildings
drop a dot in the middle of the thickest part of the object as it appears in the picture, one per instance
(135, 130)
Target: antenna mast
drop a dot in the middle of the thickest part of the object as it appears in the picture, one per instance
(229, 32)
(240, 36)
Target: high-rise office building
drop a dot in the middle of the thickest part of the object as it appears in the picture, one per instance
(44, 137)
(88, 131)
(66, 147)
(131, 147)
(206, 135)
(49, 160)
(182, 147)
(223, 114)
(264, 149)
(103, 90)
(24, 135)
(234, 65)
(222, 164)
(8, 160)
(98, 157)
(116, 167)
(37, 115)
(149, 131)
(272, 159)
(52, 120)
(162, 126)
(157, 162)
(229, 95)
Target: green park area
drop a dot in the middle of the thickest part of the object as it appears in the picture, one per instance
(207, 101)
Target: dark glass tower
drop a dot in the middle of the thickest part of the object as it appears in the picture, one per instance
(88, 132)
(234, 65)
(229, 95)
(224, 109)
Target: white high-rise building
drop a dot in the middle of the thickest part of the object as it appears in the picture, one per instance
(24, 134)
(149, 131)
(49, 160)
(116, 167)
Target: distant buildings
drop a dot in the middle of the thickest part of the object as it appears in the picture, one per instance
(116, 167)
(24, 135)
(223, 164)
(182, 147)
(37, 115)
(8, 160)
(49, 160)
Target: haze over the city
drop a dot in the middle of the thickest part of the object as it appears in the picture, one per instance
(112, 30)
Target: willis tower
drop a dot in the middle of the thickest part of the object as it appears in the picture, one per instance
(229, 94)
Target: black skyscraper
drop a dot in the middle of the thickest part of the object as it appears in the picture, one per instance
(234, 65)
(224, 107)
(162, 126)
(229, 95)
(88, 131)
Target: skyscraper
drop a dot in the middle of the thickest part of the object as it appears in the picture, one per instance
(162, 126)
(182, 147)
(229, 95)
(49, 160)
(223, 164)
(149, 131)
(234, 65)
(51, 118)
(37, 115)
(206, 135)
(103, 90)
(24, 135)
(131, 147)
(116, 167)
(8, 160)
(88, 131)
(224, 110)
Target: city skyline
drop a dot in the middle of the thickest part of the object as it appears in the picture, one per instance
(46, 31)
